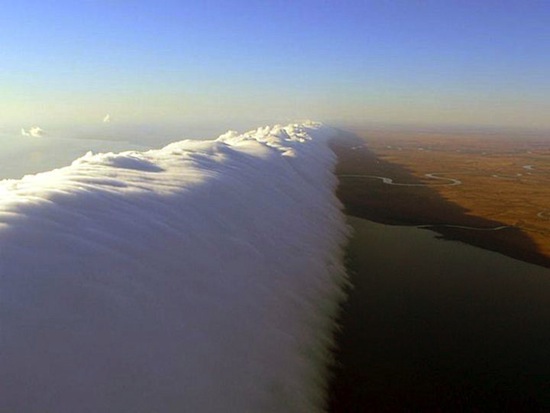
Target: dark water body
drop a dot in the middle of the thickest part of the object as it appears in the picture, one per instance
(434, 325)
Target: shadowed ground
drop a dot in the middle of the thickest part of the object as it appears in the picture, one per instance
(372, 199)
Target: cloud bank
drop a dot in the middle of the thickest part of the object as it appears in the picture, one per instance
(201, 277)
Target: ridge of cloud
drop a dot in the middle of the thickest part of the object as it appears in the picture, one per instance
(202, 276)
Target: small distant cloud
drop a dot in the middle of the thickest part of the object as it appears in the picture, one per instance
(35, 131)
(107, 118)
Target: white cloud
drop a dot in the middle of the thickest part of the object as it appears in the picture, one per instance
(204, 274)
(34, 131)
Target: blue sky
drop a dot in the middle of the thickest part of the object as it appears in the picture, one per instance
(424, 62)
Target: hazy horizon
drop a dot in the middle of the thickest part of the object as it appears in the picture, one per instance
(248, 63)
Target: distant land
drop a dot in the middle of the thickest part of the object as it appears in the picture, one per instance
(432, 324)
(485, 187)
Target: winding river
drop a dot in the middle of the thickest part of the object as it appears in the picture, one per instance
(389, 181)
(429, 226)
(449, 182)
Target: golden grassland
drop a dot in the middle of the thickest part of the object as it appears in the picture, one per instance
(505, 180)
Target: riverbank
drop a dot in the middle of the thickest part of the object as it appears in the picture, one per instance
(434, 325)
(448, 183)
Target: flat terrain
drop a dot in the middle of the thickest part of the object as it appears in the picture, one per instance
(487, 189)
(438, 326)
